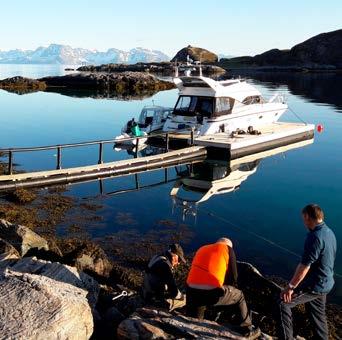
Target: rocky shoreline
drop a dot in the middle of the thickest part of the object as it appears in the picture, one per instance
(65, 286)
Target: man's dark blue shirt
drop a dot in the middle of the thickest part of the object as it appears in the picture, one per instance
(319, 254)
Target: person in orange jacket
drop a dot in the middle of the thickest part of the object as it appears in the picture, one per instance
(211, 282)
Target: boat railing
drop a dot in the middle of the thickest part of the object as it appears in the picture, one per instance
(59, 147)
(277, 98)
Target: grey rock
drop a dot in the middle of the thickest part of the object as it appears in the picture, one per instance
(148, 323)
(90, 256)
(43, 300)
(21, 237)
(7, 251)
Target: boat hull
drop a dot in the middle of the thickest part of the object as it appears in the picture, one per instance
(260, 115)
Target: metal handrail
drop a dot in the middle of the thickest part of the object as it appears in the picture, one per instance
(100, 143)
(78, 144)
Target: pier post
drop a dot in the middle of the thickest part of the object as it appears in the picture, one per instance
(167, 141)
(100, 161)
(59, 158)
(192, 137)
(137, 149)
(10, 163)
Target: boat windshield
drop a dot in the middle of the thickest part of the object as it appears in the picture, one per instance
(193, 105)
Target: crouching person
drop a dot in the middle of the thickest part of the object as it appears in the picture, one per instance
(160, 287)
(214, 266)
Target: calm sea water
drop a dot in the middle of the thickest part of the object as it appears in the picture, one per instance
(262, 216)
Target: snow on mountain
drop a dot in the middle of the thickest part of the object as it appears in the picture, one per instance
(63, 54)
(140, 54)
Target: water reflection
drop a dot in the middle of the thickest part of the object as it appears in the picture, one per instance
(94, 94)
(200, 182)
(316, 87)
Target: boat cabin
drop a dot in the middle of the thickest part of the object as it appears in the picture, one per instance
(153, 114)
(204, 97)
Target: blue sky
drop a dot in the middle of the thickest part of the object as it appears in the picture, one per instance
(223, 26)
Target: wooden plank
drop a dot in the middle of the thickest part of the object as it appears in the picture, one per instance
(186, 152)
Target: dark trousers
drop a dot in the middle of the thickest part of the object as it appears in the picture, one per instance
(316, 306)
(196, 299)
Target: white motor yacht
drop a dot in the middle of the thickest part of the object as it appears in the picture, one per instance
(208, 106)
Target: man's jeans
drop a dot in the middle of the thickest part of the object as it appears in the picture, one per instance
(218, 297)
(316, 305)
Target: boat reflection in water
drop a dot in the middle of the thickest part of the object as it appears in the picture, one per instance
(201, 181)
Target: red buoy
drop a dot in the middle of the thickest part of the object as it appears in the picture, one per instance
(320, 128)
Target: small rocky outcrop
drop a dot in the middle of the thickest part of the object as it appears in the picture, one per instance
(149, 323)
(196, 54)
(21, 237)
(22, 85)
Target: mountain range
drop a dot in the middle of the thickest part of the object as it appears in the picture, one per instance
(66, 55)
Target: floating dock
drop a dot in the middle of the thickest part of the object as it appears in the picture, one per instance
(270, 137)
(98, 171)
(218, 146)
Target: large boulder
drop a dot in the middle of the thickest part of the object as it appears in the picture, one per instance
(37, 307)
(44, 300)
(148, 323)
(21, 237)
(196, 54)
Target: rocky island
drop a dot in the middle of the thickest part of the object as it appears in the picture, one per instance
(322, 52)
(95, 84)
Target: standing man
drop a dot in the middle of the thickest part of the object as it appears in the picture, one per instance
(315, 274)
(211, 282)
(159, 283)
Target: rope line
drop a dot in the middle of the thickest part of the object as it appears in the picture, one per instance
(302, 120)
(210, 213)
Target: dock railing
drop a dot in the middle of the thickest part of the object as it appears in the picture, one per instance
(59, 147)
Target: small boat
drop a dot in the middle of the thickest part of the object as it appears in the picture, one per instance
(207, 106)
(151, 119)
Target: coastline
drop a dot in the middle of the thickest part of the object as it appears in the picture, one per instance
(112, 264)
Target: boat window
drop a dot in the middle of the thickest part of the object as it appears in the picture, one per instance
(193, 105)
(252, 100)
(223, 106)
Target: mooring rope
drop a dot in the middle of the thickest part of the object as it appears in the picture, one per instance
(225, 220)
(302, 120)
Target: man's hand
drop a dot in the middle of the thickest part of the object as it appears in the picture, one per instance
(286, 294)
